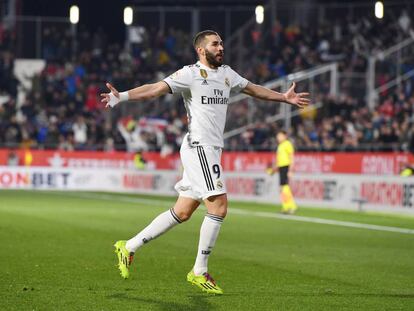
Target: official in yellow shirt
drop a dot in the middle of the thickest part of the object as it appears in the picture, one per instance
(139, 161)
(407, 170)
(284, 160)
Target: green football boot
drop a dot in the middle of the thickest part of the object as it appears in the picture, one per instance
(205, 282)
(124, 258)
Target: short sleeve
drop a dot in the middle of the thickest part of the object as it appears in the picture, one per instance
(180, 80)
(291, 148)
(238, 83)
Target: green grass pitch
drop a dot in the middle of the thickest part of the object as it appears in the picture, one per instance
(56, 254)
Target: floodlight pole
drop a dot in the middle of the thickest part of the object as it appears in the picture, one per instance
(74, 20)
(74, 31)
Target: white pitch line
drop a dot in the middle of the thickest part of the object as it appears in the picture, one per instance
(322, 221)
(237, 211)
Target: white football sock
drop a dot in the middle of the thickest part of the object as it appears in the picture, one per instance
(161, 224)
(208, 235)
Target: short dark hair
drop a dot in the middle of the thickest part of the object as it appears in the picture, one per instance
(198, 38)
(283, 132)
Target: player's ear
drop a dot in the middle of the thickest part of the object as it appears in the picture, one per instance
(200, 50)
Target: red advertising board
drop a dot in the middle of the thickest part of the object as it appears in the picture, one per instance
(89, 159)
(313, 163)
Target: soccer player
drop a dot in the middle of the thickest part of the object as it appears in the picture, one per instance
(205, 87)
(284, 159)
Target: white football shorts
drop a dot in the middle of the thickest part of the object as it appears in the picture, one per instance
(203, 174)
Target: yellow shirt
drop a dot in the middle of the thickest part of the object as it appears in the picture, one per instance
(406, 172)
(139, 162)
(285, 152)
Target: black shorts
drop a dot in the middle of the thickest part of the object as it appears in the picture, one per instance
(283, 175)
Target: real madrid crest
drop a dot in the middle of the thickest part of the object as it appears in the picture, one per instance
(227, 82)
(203, 73)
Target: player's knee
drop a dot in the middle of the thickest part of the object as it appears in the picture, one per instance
(184, 215)
(221, 209)
(222, 212)
(217, 205)
(185, 207)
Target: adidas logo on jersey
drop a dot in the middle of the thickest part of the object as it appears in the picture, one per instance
(204, 75)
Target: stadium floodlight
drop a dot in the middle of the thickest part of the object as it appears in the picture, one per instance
(379, 9)
(259, 14)
(74, 14)
(128, 16)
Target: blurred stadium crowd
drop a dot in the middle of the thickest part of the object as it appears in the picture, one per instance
(63, 110)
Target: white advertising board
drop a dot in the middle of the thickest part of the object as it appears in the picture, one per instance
(325, 190)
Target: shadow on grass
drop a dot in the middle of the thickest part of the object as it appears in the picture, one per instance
(197, 302)
(353, 287)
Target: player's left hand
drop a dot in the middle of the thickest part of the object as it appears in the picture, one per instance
(300, 100)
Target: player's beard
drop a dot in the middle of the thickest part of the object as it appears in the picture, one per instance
(212, 60)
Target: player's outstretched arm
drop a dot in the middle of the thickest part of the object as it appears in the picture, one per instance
(144, 92)
(300, 100)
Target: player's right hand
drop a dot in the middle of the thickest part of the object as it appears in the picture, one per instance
(112, 98)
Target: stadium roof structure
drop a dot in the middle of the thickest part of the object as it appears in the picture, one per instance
(196, 3)
(199, 2)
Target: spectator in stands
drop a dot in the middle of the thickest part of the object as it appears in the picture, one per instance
(132, 135)
(67, 143)
(12, 158)
(109, 145)
(80, 132)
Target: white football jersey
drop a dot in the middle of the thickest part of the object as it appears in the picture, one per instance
(206, 94)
